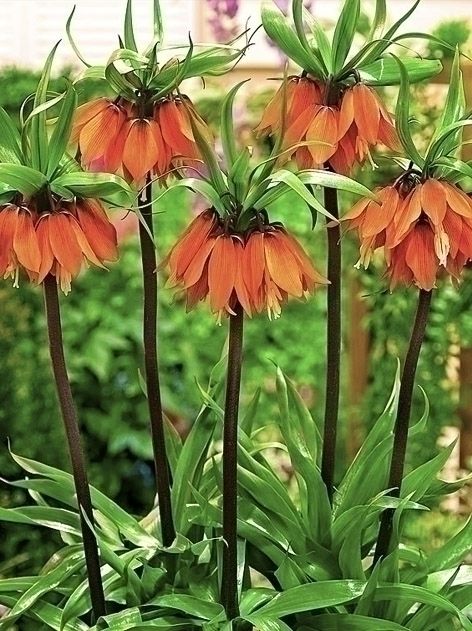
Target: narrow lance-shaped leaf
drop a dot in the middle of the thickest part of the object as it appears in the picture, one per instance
(402, 116)
(130, 41)
(385, 71)
(10, 141)
(61, 134)
(281, 32)
(227, 126)
(71, 39)
(39, 136)
(21, 178)
(344, 33)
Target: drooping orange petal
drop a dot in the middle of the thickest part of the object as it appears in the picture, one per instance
(240, 288)
(388, 135)
(304, 261)
(25, 242)
(221, 272)
(47, 256)
(282, 265)
(113, 157)
(83, 244)
(346, 114)
(99, 132)
(421, 257)
(466, 239)
(322, 135)
(296, 131)
(254, 263)
(195, 269)
(273, 112)
(98, 230)
(453, 226)
(141, 152)
(63, 242)
(408, 212)
(199, 291)
(357, 210)
(8, 219)
(306, 94)
(433, 200)
(366, 113)
(458, 200)
(84, 113)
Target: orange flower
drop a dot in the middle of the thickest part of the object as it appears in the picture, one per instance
(339, 134)
(71, 235)
(18, 242)
(259, 270)
(425, 226)
(114, 138)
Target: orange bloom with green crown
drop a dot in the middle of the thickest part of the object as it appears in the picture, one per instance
(259, 269)
(113, 137)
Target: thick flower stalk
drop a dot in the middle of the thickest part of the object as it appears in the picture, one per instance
(133, 140)
(259, 269)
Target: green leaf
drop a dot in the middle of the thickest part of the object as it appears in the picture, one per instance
(327, 179)
(344, 33)
(402, 115)
(418, 481)
(210, 159)
(311, 597)
(351, 486)
(298, 11)
(191, 461)
(353, 622)
(385, 71)
(281, 32)
(20, 178)
(46, 584)
(99, 185)
(453, 551)
(200, 186)
(321, 40)
(157, 21)
(38, 131)
(71, 39)
(227, 127)
(190, 605)
(130, 41)
(61, 134)
(379, 20)
(415, 594)
(10, 141)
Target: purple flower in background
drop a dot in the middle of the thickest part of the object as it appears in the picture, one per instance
(285, 4)
(223, 19)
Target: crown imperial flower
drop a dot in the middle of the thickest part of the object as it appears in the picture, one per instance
(425, 226)
(323, 129)
(259, 269)
(113, 137)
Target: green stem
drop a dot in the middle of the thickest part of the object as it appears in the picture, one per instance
(229, 582)
(333, 344)
(402, 421)
(71, 425)
(161, 463)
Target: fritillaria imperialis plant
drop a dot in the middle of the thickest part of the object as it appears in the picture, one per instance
(333, 119)
(229, 545)
(142, 134)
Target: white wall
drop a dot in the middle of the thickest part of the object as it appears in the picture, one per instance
(30, 27)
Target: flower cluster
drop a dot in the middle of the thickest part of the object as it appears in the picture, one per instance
(259, 269)
(114, 136)
(424, 225)
(324, 129)
(56, 242)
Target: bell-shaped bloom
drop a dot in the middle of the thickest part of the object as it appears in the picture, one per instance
(259, 270)
(338, 134)
(71, 235)
(425, 227)
(113, 137)
(19, 247)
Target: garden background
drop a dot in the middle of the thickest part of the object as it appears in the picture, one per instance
(103, 333)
